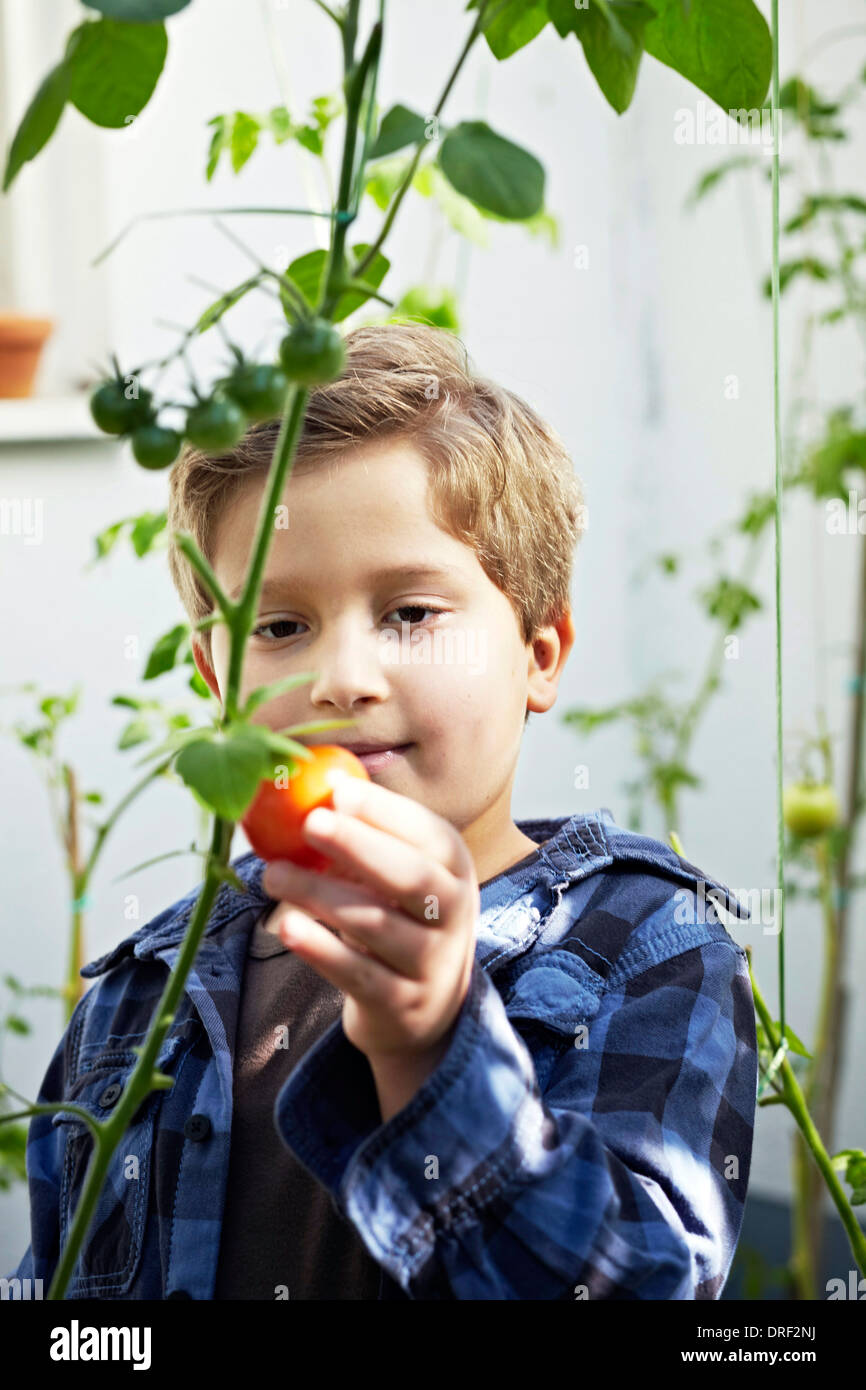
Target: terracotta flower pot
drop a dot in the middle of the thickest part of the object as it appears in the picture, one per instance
(21, 343)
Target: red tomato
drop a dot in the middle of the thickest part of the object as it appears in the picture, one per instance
(274, 818)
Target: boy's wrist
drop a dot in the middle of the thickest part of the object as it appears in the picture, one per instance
(398, 1076)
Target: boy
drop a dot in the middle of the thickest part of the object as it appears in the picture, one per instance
(493, 1060)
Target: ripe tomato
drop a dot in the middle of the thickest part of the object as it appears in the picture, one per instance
(274, 818)
(809, 808)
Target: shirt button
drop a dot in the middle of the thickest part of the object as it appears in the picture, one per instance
(197, 1127)
(110, 1094)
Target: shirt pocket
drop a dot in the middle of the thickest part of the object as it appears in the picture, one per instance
(551, 997)
(111, 1253)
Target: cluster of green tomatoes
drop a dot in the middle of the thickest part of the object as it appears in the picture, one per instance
(311, 353)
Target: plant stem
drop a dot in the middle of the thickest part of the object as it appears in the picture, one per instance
(139, 1084)
(796, 1104)
(375, 248)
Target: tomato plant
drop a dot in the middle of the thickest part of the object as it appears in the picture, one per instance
(117, 413)
(215, 425)
(258, 388)
(155, 446)
(274, 820)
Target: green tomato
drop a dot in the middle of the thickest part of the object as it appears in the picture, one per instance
(215, 426)
(810, 808)
(312, 353)
(260, 390)
(154, 446)
(115, 412)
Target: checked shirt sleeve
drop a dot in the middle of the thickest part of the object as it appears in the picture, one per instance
(625, 1177)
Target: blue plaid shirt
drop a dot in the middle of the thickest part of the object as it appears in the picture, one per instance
(588, 1133)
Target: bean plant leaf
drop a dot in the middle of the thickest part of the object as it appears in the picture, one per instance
(399, 127)
(511, 26)
(612, 42)
(38, 122)
(491, 171)
(137, 11)
(114, 68)
(724, 47)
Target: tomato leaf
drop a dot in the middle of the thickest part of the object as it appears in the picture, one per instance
(307, 274)
(491, 171)
(164, 654)
(215, 311)
(38, 122)
(114, 68)
(263, 693)
(223, 769)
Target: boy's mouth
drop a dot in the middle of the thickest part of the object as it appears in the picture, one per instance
(377, 756)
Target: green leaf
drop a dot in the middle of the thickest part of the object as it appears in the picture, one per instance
(491, 171)
(224, 769)
(723, 46)
(16, 1024)
(467, 219)
(794, 1043)
(96, 798)
(511, 26)
(400, 127)
(38, 122)
(215, 311)
(714, 176)
(145, 530)
(114, 68)
(279, 123)
(199, 686)
(219, 141)
(164, 654)
(106, 540)
(729, 601)
(612, 42)
(137, 11)
(809, 266)
(437, 307)
(244, 138)
(136, 731)
(263, 693)
(307, 273)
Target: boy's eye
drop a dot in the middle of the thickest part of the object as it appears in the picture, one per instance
(414, 608)
(277, 622)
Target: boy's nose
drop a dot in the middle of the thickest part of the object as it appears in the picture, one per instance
(350, 669)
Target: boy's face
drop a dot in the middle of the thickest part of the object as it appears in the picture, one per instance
(448, 689)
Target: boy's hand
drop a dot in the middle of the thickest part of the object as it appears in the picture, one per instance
(406, 925)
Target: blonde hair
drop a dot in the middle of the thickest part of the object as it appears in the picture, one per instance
(500, 478)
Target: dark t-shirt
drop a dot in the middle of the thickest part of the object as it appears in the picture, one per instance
(281, 1233)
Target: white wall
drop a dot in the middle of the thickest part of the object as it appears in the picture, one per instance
(627, 358)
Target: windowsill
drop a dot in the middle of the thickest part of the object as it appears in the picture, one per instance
(37, 419)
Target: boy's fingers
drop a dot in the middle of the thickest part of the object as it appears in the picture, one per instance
(402, 874)
(402, 816)
(354, 972)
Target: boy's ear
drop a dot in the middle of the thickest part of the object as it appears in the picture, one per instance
(548, 653)
(205, 669)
